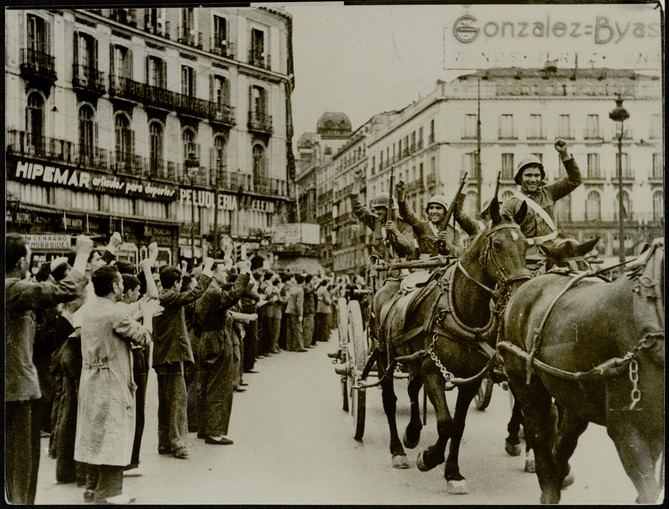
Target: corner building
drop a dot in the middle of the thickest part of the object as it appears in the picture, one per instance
(140, 120)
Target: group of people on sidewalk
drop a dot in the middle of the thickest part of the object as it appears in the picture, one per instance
(84, 331)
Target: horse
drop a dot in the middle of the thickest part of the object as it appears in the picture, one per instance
(597, 349)
(445, 331)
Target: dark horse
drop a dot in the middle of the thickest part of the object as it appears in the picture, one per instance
(597, 348)
(445, 333)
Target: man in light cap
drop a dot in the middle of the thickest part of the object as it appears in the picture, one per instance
(397, 232)
(539, 226)
(434, 235)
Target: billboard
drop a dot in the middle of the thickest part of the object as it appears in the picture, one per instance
(594, 35)
(296, 233)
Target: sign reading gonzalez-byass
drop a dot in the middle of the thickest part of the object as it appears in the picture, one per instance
(600, 35)
(76, 179)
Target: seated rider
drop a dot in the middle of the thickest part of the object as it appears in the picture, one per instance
(434, 236)
(538, 226)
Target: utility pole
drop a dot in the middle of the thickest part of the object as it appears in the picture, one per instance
(216, 183)
(478, 146)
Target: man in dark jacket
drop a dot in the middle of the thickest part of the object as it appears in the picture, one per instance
(216, 355)
(171, 348)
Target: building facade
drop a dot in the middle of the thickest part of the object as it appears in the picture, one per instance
(156, 122)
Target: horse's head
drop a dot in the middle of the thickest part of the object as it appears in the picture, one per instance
(500, 248)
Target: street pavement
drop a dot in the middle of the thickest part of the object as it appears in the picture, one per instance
(294, 445)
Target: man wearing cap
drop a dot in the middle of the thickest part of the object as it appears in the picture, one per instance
(398, 233)
(434, 235)
(538, 225)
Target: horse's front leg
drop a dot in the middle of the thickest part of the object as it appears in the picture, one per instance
(399, 457)
(456, 483)
(412, 432)
(512, 442)
(434, 386)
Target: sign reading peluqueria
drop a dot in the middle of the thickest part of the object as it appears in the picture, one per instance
(77, 179)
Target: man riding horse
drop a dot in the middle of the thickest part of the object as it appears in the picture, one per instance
(539, 227)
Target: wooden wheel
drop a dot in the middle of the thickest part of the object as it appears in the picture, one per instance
(358, 352)
(484, 394)
(342, 325)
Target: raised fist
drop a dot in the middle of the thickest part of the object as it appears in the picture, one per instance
(115, 242)
(561, 147)
(84, 245)
(153, 251)
(399, 191)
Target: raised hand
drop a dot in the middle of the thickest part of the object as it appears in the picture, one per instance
(115, 242)
(400, 193)
(153, 251)
(83, 245)
(561, 147)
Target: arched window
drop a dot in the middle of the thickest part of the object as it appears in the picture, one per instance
(627, 208)
(35, 122)
(259, 166)
(188, 140)
(219, 152)
(593, 207)
(658, 206)
(564, 209)
(156, 147)
(124, 141)
(87, 133)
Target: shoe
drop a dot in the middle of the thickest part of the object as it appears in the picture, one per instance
(121, 499)
(333, 355)
(201, 435)
(239, 389)
(181, 453)
(133, 472)
(219, 440)
(164, 449)
(243, 384)
(253, 371)
(89, 496)
(302, 350)
(276, 350)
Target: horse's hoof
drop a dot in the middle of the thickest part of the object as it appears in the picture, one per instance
(400, 461)
(568, 481)
(421, 464)
(530, 468)
(512, 449)
(457, 487)
(408, 443)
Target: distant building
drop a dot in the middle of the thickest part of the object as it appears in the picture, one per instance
(128, 119)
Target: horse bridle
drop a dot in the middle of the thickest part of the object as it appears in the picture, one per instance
(488, 252)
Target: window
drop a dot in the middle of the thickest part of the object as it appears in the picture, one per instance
(35, 122)
(37, 32)
(592, 126)
(87, 133)
(657, 166)
(432, 131)
(220, 90)
(187, 32)
(156, 72)
(220, 33)
(189, 146)
(124, 138)
(413, 141)
(563, 207)
(121, 62)
(536, 126)
(257, 52)
(507, 166)
(593, 166)
(85, 58)
(153, 21)
(626, 166)
(420, 137)
(506, 126)
(656, 126)
(627, 210)
(469, 164)
(156, 148)
(658, 206)
(593, 207)
(564, 127)
(470, 125)
(259, 164)
(258, 102)
(219, 152)
(187, 81)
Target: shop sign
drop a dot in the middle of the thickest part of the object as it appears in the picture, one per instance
(48, 241)
(76, 179)
(229, 202)
(296, 233)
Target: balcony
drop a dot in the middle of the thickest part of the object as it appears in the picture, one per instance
(627, 134)
(468, 134)
(259, 59)
(159, 97)
(594, 177)
(88, 80)
(192, 106)
(431, 180)
(126, 163)
(126, 88)
(188, 36)
(507, 134)
(534, 134)
(222, 48)
(593, 135)
(269, 186)
(656, 176)
(221, 114)
(566, 134)
(38, 67)
(160, 28)
(260, 122)
(125, 16)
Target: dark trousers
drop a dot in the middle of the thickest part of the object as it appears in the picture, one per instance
(308, 329)
(261, 334)
(217, 385)
(140, 373)
(294, 333)
(274, 328)
(105, 480)
(172, 406)
(321, 327)
(282, 332)
(65, 431)
(22, 444)
(250, 345)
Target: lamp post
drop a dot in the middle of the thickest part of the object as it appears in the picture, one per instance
(192, 167)
(218, 176)
(620, 114)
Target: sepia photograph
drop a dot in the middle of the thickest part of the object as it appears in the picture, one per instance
(453, 212)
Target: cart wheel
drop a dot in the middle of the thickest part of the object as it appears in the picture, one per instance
(342, 322)
(344, 393)
(358, 351)
(484, 394)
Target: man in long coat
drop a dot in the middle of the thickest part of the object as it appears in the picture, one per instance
(106, 406)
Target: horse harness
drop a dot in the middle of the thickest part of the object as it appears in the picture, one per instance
(649, 318)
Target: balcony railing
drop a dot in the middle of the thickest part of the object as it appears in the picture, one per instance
(269, 186)
(593, 134)
(260, 122)
(259, 59)
(533, 134)
(160, 98)
(190, 37)
(222, 48)
(125, 16)
(222, 114)
(627, 134)
(121, 86)
(507, 134)
(189, 105)
(38, 64)
(468, 134)
(88, 79)
(161, 28)
(567, 134)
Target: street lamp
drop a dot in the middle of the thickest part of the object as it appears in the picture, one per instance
(192, 168)
(620, 114)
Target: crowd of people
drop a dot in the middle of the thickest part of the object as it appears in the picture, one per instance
(84, 331)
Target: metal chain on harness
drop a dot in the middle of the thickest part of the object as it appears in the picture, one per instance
(448, 376)
(635, 395)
